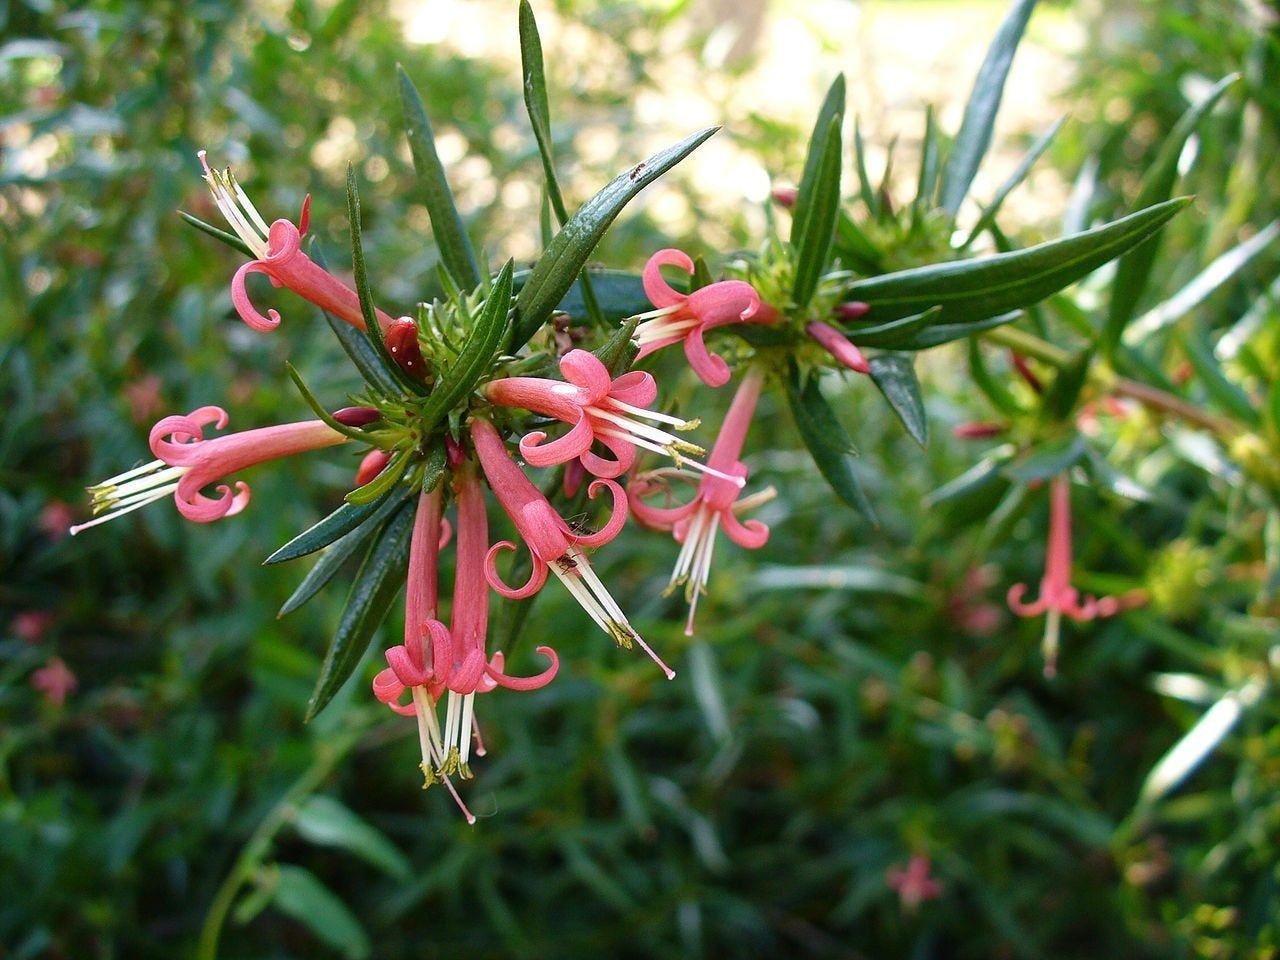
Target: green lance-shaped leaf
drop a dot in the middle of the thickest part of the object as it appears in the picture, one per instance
(991, 386)
(620, 295)
(827, 441)
(340, 551)
(865, 188)
(1019, 174)
(299, 894)
(446, 225)
(982, 473)
(379, 580)
(618, 352)
(562, 261)
(927, 182)
(854, 247)
(325, 821)
(1202, 286)
(337, 524)
(1064, 393)
(377, 369)
(832, 109)
(893, 332)
(1048, 459)
(351, 433)
(940, 333)
(230, 239)
(970, 290)
(1134, 271)
(895, 375)
(384, 482)
(1209, 372)
(974, 138)
(483, 343)
(539, 110)
(817, 231)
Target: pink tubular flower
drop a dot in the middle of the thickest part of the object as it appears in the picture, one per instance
(187, 463)
(55, 680)
(914, 885)
(1057, 595)
(455, 661)
(278, 254)
(839, 346)
(715, 505)
(688, 316)
(600, 409)
(554, 544)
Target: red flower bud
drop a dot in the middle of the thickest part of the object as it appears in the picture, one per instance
(357, 416)
(402, 343)
(373, 464)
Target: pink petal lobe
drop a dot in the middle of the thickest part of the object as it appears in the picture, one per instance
(244, 306)
(660, 293)
(536, 682)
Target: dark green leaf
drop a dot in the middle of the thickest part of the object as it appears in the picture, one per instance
(1134, 270)
(975, 478)
(971, 290)
(892, 333)
(298, 894)
(619, 293)
(325, 821)
(895, 375)
(339, 552)
(818, 228)
(618, 352)
(927, 182)
(974, 138)
(832, 109)
(1215, 382)
(379, 580)
(337, 524)
(539, 110)
(353, 433)
(1048, 459)
(564, 258)
(230, 239)
(827, 441)
(854, 248)
(865, 190)
(992, 387)
(937, 334)
(446, 225)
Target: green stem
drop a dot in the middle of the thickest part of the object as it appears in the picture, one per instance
(247, 864)
(1151, 397)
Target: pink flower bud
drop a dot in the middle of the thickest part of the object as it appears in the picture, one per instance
(402, 343)
(357, 416)
(373, 464)
(784, 196)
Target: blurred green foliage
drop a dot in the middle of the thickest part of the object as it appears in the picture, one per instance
(858, 695)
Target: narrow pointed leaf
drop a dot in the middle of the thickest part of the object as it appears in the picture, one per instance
(562, 261)
(818, 228)
(974, 138)
(337, 524)
(1225, 393)
(893, 332)
(827, 441)
(1202, 286)
(992, 387)
(1134, 271)
(299, 894)
(384, 482)
(377, 371)
(539, 110)
(230, 239)
(970, 290)
(1015, 179)
(895, 375)
(446, 225)
(832, 109)
(982, 473)
(1048, 459)
(936, 334)
(1064, 393)
(325, 821)
(339, 552)
(380, 578)
(865, 190)
(927, 182)
(618, 351)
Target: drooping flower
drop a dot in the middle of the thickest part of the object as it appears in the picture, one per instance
(914, 885)
(554, 544)
(187, 463)
(451, 663)
(686, 317)
(1057, 596)
(277, 250)
(716, 504)
(55, 680)
(599, 408)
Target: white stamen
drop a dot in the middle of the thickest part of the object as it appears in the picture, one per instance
(600, 593)
(242, 215)
(651, 414)
(464, 736)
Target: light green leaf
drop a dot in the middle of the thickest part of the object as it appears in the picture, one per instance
(328, 822)
(299, 894)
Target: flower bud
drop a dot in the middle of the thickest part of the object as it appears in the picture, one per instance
(373, 464)
(784, 196)
(402, 344)
(357, 416)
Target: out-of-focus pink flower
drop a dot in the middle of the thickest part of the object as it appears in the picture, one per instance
(599, 409)
(55, 680)
(143, 397)
(978, 431)
(686, 317)
(784, 196)
(187, 463)
(555, 544)
(55, 518)
(715, 506)
(914, 885)
(278, 254)
(30, 626)
(1057, 596)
